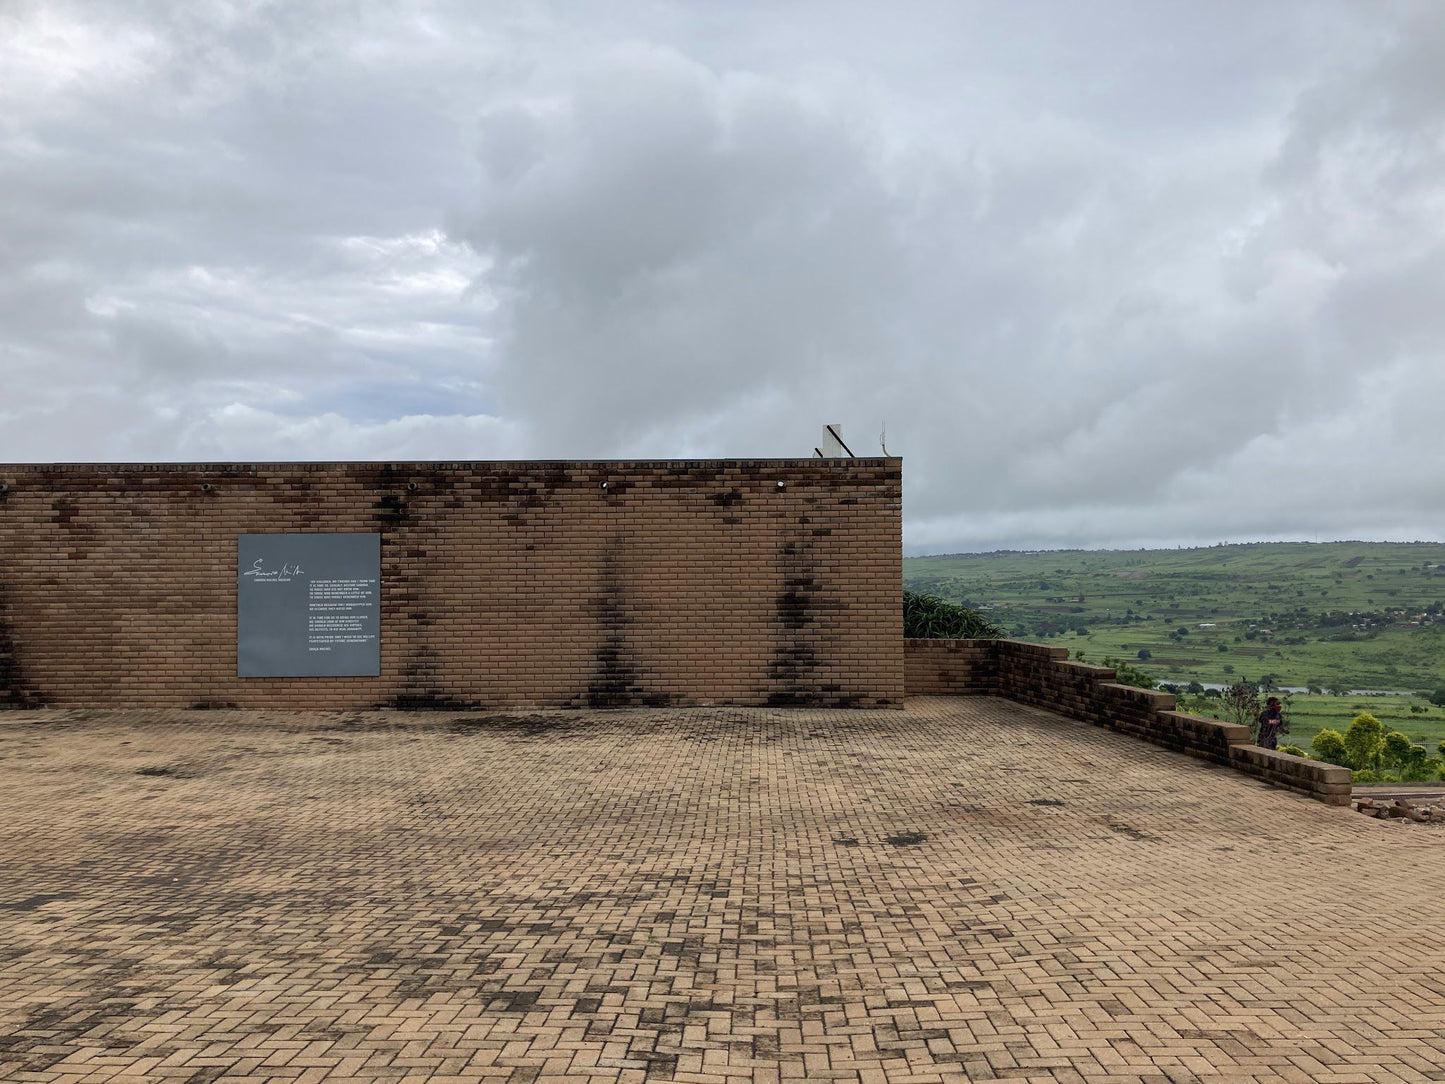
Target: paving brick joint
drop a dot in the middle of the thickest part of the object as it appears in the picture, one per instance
(967, 889)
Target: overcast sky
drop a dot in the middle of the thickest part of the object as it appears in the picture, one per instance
(1111, 273)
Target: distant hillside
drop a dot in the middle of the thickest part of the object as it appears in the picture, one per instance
(1344, 614)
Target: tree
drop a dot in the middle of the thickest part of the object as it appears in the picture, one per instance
(1365, 742)
(1438, 697)
(1329, 746)
(1410, 761)
(1145, 653)
(1395, 750)
(1125, 674)
(1240, 703)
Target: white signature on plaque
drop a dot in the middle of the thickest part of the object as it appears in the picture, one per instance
(284, 572)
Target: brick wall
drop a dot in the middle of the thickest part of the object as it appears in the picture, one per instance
(1044, 677)
(502, 583)
(951, 668)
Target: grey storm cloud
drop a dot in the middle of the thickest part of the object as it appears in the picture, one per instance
(1111, 274)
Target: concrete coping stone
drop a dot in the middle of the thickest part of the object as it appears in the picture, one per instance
(1023, 647)
(1087, 669)
(1158, 700)
(1289, 764)
(1234, 733)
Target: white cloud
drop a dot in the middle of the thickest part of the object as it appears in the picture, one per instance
(1120, 272)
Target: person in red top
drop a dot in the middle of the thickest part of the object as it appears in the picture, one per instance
(1271, 722)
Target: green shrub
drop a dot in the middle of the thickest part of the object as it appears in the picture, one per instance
(1407, 759)
(1329, 746)
(1293, 750)
(929, 617)
(1365, 742)
(1126, 674)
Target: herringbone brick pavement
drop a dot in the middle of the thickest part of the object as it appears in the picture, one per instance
(965, 890)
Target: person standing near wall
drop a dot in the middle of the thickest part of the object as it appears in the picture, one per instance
(1271, 724)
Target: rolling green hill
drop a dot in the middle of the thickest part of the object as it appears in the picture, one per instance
(1342, 615)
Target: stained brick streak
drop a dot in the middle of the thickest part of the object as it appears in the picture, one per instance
(502, 583)
(706, 895)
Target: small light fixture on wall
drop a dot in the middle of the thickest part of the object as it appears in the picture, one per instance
(411, 486)
(604, 485)
(206, 487)
(782, 485)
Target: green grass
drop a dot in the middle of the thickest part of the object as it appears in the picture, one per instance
(1277, 609)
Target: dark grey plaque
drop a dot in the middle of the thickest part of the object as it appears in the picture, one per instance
(308, 605)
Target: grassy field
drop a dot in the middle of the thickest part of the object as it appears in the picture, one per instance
(1339, 615)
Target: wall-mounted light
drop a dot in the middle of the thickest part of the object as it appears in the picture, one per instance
(206, 487)
(411, 486)
(604, 485)
(3, 487)
(782, 485)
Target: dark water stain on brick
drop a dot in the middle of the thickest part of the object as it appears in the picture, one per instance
(527, 726)
(795, 602)
(30, 903)
(907, 839)
(14, 691)
(390, 510)
(358, 724)
(793, 672)
(170, 771)
(614, 680)
(1130, 832)
(426, 700)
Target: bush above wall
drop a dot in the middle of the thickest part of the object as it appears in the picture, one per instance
(927, 617)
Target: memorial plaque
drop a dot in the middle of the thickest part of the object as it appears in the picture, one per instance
(308, 605)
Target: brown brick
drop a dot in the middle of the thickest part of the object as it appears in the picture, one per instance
(502, 583)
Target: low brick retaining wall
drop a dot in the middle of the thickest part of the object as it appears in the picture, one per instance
(1044, 677)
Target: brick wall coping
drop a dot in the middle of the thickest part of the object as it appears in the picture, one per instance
(455, 464)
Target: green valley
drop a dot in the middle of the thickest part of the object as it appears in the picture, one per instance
(1330, 616)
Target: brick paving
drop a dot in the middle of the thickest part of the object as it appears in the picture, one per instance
(968, 889)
